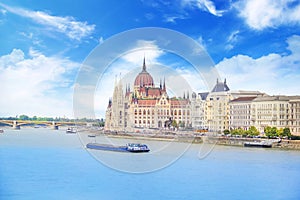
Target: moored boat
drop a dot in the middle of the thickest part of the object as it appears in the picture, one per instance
(1, 131)
(71, 130)
(135, 147)
(131, 147)
(262, 144)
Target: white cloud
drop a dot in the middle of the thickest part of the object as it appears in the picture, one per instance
(143, 48)
(205, 5)
(37, 85)
(67, 25)
(101, 40)
(260, 14)
(173, 18)
(232, 40)
(3, 12)
(273, 73)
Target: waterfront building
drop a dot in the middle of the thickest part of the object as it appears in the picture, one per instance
(240, 113)
(216, 107)
(262, 111)
(279, 111)
(217, 110)
(147, 106)
(198, 111)
(294, 115)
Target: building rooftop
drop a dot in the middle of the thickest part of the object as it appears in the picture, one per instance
(220, 87)
(243, 99)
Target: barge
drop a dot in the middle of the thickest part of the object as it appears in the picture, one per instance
(131, 147)
(262, 144)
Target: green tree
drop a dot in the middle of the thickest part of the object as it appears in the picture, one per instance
(226, 132)
(238, 131)
(253, 131)
(174, 123)
(270, 132)
(280, 132)
(287, 132)
(23, 117)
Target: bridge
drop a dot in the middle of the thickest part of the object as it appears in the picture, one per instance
(16, 124)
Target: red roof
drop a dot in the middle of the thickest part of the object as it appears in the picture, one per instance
(155, 92)
(146, 102)
(179, 102)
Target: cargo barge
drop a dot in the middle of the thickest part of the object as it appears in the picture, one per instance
(131, 147)
(262, 144)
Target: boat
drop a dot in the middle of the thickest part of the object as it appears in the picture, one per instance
(136, 147)
(262, 144)
(90, 135)
(71, 130)
(1, 131)
(131, 147)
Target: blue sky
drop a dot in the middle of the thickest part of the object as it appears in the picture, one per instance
(254, 44)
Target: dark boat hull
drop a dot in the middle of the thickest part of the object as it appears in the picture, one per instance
(106, 147)
(139, 151)
(258, 145)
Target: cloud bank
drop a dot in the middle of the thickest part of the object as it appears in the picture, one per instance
(72, 28)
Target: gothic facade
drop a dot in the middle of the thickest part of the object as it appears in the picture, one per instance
(148, 106)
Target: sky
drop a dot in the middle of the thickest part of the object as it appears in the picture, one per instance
(254, 44)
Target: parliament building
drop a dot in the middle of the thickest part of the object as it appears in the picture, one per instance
(147, 106)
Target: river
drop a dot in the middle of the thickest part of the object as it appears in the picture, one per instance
(48, 164)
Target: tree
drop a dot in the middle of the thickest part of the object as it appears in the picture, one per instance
(238, 131)
(23, 117)
(270, 132)
(253, 131)
(226, 132)
(287, 132)
(174, 124)
(280, 132)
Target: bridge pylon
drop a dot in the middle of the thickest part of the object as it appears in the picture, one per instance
(16, 126)
(54, 126)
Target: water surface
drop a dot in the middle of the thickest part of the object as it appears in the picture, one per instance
(47, 164)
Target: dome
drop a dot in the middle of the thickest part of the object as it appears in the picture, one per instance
(143, 78)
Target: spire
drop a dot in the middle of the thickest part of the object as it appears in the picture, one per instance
(188, 95)
(144, 64)
(164, 87)
(225, 81)
(160, 84)
(183, 95)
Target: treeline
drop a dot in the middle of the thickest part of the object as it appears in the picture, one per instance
(57, 119)
(270, 132)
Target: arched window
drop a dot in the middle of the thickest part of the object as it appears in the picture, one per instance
(148, 112)
(144, 112)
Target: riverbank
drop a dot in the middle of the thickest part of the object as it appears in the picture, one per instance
(211, 139)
